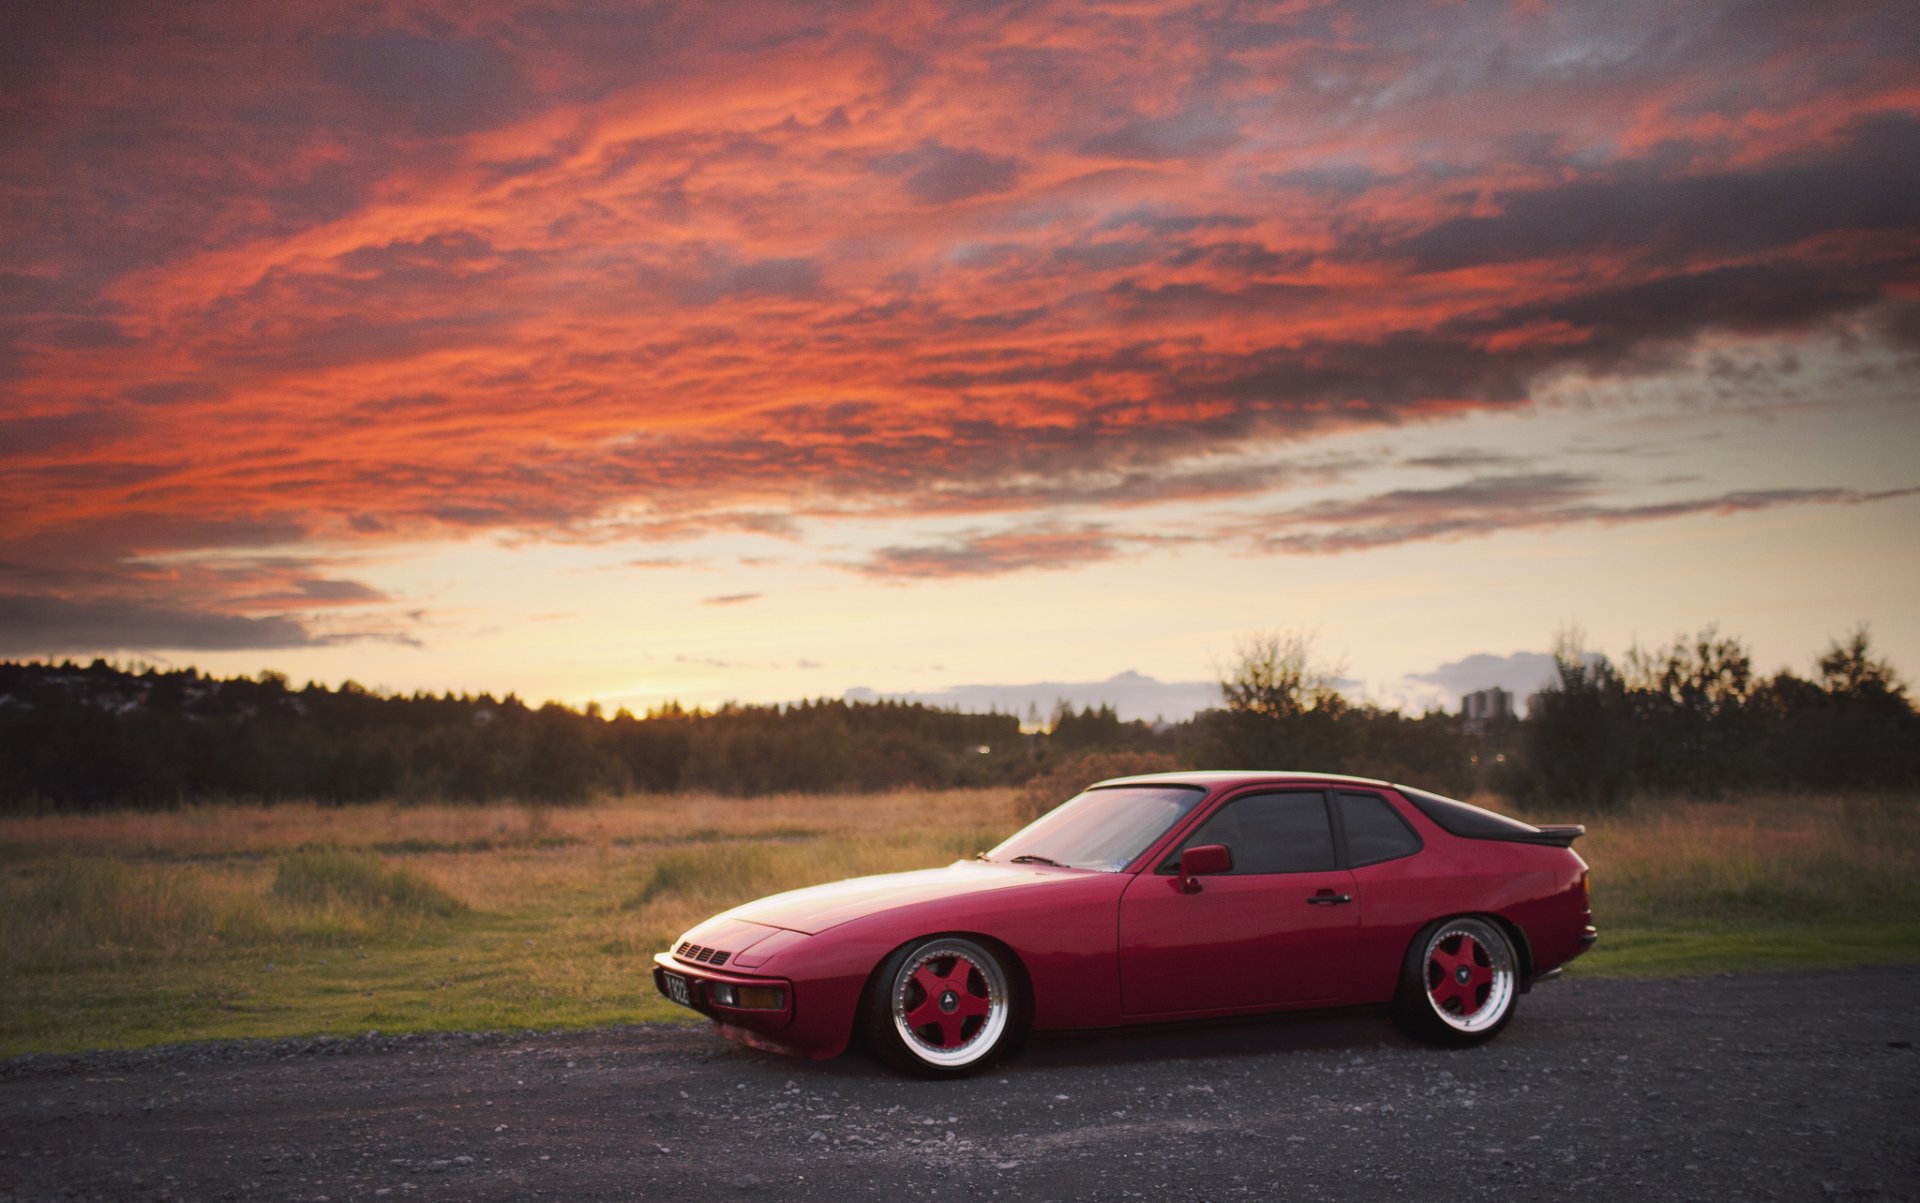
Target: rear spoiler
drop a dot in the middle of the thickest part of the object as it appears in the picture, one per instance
(1560, 835)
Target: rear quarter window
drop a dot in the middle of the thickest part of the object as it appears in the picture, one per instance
(1375, 831)
(1465, 819)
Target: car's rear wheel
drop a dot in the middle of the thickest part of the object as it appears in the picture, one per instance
(1459, 983)
(944, 1007)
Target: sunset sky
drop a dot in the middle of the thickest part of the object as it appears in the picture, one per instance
(633, 352)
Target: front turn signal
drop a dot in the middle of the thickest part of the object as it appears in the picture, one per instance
(748, 998)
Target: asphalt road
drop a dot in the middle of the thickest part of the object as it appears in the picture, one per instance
(1790, 1087)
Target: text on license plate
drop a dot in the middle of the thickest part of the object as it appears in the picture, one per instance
(677, 989)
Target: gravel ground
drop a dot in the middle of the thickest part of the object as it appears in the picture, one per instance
(1790, 1087)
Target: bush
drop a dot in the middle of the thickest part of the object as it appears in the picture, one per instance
(1068, 777)
(74, 910)
(741, 870)
(324, 876)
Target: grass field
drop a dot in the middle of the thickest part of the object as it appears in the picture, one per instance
(134, 928)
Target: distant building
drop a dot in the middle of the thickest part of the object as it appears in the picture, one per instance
(1486, 708)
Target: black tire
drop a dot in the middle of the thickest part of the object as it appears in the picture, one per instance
(1459, 983)
(945, 1007)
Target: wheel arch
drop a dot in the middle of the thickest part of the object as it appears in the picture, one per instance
(1516, 936)
(1522, 947)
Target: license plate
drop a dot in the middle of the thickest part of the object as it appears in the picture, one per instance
(677, 988)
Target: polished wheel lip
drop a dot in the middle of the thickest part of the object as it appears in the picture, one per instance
(998, 1001)
(1501, 981)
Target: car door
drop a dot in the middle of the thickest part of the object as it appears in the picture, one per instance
(1276, 931)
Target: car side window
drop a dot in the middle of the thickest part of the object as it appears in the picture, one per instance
(1268, 833)
(1375, 831)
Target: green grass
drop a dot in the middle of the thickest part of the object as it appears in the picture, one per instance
(214, 922)
(1678, 951)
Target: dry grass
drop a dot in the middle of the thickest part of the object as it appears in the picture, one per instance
(70, 912)
(1766, 858)
(128, 928)
(236, 920)
(231, 830)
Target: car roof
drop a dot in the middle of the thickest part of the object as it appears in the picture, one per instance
(1218, 778)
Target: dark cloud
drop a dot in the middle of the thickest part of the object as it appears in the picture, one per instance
(731, 599)
(86, 334)
(425, 85)
(788, 278)
(994, 554)
(172, 392)
(1191, 134)
(1653, 211)
(1169, 222)
(1463, 460)
(105, 538)
(1747, 299)
(68, 432)
(1163, 302)
(1350, 179)
(1116, 486)
(316, 591)
(1111, 255)
(40, 624)
(346, 339)
(427, 260)
(937, 174)
(1483, 494)
(1241, 258)
(1489, 505)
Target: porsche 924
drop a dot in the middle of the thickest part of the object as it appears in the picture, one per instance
(1150, 899)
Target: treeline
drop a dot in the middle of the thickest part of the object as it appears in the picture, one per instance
(98, 735)
(1690, 718)
(1284, 711)
(1694, 718)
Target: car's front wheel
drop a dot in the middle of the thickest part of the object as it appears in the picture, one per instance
(944, 1007)
(1459, 983)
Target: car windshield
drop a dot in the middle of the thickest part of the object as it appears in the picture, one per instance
(1102, 829)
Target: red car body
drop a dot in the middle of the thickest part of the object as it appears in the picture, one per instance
(1094, 948)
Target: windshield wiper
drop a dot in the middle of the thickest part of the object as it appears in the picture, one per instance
(1030, 859)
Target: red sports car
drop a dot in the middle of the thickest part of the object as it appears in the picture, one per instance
(1147, 899)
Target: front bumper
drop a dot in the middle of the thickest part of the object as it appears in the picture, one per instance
(700, 981)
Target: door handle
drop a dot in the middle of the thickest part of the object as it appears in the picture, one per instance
(1329, 898)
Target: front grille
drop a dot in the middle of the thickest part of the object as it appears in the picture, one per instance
(689, 951)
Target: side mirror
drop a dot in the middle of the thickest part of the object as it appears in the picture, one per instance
(1198, 862)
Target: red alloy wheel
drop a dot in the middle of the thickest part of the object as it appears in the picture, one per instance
(1468, 972)
(950, 991)
(1459, 978)
(950, 1004)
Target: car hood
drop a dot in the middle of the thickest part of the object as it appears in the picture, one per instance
(817, 908)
